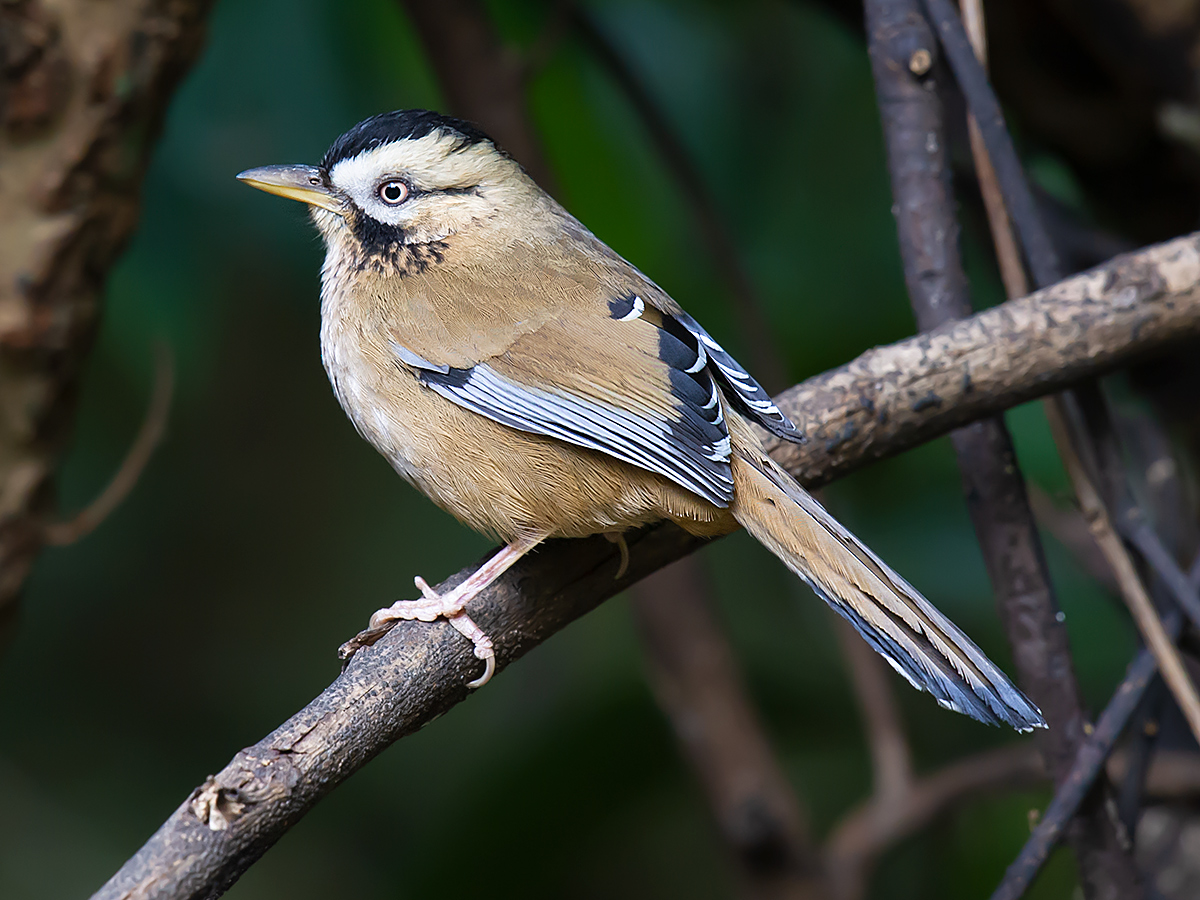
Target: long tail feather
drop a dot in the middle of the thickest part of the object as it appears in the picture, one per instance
(906, 629)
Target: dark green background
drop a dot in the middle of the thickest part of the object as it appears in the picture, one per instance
(264, 532)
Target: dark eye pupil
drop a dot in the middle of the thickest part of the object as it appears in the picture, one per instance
(393, 192)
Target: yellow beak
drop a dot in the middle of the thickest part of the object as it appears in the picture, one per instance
(304, 183)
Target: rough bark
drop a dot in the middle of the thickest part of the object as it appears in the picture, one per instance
(892, 398)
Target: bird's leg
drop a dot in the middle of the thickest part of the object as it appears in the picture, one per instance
(451, 605)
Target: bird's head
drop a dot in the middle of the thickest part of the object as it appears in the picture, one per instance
(400, 179)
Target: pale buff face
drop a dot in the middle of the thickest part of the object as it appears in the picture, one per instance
(448, 186)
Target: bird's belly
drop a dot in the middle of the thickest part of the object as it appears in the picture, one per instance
(354, 385)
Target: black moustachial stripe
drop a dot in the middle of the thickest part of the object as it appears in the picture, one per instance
(382, 247)
(402, 124)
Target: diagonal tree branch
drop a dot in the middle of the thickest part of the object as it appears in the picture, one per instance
(1137, 598)
(767, 365)
(891, 397)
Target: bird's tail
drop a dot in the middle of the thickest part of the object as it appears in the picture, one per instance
(920, 643)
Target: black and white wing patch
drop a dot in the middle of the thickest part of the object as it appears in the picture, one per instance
(687, 442)
(692, 448)
(744, 392)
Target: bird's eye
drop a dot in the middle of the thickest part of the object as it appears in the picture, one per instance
(393, 193)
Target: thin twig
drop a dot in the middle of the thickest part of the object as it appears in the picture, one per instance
(1136, 598)
(1141, 535)
(154, 426)
(1105, 460)
(1070, 528)
(1008, 256)
(969, 73)
(867, 831)
(1089, 762)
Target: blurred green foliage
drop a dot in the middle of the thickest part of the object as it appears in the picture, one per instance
(208, 608)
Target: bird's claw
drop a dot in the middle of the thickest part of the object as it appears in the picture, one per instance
(429, 608)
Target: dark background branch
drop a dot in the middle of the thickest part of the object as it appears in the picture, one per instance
(761, 353)
(1081, 422)
(700, 687)
(482, 80)
(926, 216)
(1081, 778)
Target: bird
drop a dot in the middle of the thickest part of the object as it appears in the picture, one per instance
(534, 384)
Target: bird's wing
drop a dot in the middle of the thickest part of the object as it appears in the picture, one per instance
(613, 373)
